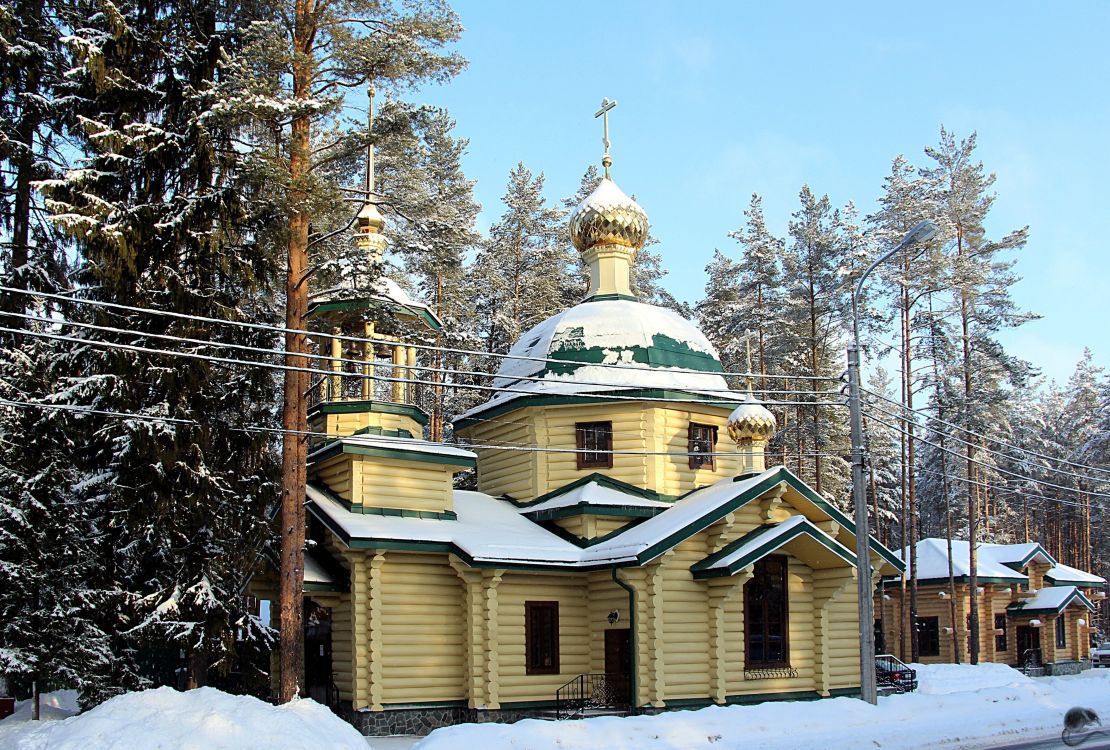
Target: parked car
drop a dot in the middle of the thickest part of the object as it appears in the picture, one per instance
(1100, 656)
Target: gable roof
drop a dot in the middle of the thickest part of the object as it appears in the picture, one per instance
(1051, 600)
(762, 541)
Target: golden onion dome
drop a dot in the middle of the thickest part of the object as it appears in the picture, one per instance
(751, 420)
(608, 217)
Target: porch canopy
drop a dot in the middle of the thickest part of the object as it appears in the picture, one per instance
(796, 535)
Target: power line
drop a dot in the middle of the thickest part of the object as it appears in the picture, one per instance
(986, 465)
(1031, 452)
(402, 442)
(1007, 490)
(367, 340)
(340, 360)
(365, 376)
(987, 450)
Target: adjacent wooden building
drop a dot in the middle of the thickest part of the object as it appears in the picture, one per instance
(1034, 613)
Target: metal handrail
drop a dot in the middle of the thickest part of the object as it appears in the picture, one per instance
(891, 672)
(593, 690)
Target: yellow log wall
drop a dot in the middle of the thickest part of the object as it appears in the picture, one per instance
(423, 654)
(678, 477)
(335, 473)
(570, 590)
(411, 485)
(636, 427)
(604, 596)
(502, 472)
(349, 424)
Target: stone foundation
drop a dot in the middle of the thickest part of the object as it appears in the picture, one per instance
(1066, 667)
(423, 720)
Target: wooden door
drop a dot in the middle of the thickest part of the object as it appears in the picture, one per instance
(1028, 639)
(618, 664)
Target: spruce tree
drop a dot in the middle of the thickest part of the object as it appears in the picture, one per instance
(525, 269)
(161, 216)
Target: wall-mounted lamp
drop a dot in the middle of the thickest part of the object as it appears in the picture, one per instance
(943, 595)
(886, 597)
(947, 631)
(1008, 590)
(1080, 622)
(979, 590)
(1034, 623)
(614, 616)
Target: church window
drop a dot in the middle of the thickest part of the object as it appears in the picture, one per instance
(541, 637)
(765, 615)
(928, 636)
(594, 442)
(702, 441)
(1061, 632)
(1000, 639)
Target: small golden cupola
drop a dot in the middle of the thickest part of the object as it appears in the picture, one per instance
(751, 425)
(608, 228)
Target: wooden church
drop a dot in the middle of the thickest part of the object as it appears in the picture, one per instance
(626, 547)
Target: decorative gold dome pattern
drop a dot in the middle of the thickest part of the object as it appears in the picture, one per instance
(751, 420)
(608, 217)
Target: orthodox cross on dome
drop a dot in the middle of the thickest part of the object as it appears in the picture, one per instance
(603, 113)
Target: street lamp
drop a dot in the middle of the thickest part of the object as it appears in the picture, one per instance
(922, 232)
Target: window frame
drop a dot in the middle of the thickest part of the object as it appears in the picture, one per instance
(1001, 643)
(596, 457)
(928, 626)
(1061, 631)
(532, 656)
(703, 459)
(750, 619)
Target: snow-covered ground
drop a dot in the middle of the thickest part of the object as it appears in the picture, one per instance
(164, 719)
(957, 706)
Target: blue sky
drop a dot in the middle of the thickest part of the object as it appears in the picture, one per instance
(719, 100)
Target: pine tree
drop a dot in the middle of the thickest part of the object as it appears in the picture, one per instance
(290, 86)
(433, 231)
(981, 281)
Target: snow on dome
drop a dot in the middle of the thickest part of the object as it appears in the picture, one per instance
(656, 347)
(751, 420)
(608, 216)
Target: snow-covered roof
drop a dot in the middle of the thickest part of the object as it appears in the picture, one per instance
(407, 445)
(314, 572)
(1065, 574)
(594, 493)
(487, 529)
(655, 347)
(384, 289)
(1051, 599)
(1016, 554)
(493, 530)
(994, 560)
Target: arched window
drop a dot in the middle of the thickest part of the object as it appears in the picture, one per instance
(765, 616)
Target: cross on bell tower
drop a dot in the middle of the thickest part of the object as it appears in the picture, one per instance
(606, 105)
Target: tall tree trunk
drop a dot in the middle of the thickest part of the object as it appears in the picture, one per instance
(969, 452)
(293, 415)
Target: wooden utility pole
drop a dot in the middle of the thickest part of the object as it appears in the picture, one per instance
(294, 417)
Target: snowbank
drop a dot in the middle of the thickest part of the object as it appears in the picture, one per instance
(202, 719)
(958, 706)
